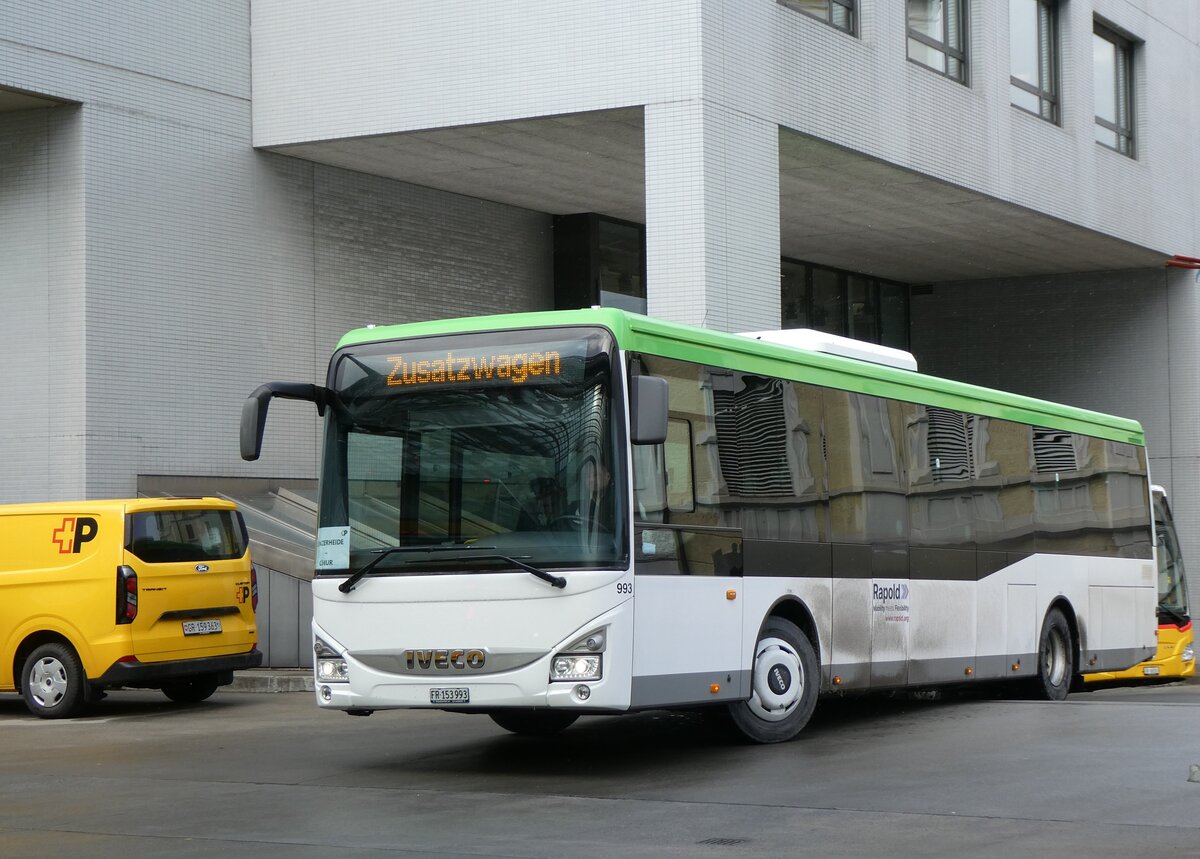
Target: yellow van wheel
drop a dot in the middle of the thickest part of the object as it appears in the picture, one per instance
(52, 681)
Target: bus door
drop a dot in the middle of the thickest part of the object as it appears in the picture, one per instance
(687, 644)
(687, 640)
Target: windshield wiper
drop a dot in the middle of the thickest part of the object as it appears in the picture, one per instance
(1178, 615)
(556, 581)
(348, 585)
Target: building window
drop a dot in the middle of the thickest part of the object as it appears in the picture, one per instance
(839, 13)
(599, 261)
(843, 303)
(937, 36)
(1033, 51)
(1112, 75)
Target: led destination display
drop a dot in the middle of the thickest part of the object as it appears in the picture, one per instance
(514, 367)
(492, 360)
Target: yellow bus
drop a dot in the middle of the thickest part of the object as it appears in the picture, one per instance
(152, 593)
(1176, 655)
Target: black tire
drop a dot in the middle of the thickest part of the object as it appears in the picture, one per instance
(1056, 659)
(785, 681)
(52, 682)
(193, 690)
(533, 723)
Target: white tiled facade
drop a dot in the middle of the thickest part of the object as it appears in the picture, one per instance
(159, 259)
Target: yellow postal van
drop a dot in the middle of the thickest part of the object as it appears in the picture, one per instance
(153, 593)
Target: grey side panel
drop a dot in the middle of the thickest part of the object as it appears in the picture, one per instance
(675, 689)
(854, 676)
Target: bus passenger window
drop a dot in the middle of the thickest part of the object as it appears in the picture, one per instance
(681, 496)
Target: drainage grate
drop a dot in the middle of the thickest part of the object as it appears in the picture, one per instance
(723, 842)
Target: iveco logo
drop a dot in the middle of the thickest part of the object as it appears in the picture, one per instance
(443, 659)
(201, 568)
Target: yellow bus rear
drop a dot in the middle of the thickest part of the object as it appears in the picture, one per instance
(1175, 656)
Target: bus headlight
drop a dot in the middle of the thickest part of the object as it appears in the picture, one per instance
(1189, 653)
(330, 667)
(332, 671)
(581, 659)
(575, 666)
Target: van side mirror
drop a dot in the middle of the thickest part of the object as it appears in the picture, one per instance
(254, 410)
(648, 400)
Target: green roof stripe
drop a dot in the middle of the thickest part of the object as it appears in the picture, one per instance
(671, 340)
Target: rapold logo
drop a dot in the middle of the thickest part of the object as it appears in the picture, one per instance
(73, 533)
(890, 602)
(898, 591)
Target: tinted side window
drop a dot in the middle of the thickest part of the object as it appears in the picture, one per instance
(167, 536)
(757, 453)
(865, 478)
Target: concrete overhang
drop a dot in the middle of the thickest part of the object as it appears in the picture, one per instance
(11, 99)
(837, 207)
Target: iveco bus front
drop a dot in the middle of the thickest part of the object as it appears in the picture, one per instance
(473, 546)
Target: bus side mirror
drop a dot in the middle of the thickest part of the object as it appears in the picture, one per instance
(647, 410)
(254, 410)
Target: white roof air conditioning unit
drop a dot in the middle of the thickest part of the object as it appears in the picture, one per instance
(831, 344)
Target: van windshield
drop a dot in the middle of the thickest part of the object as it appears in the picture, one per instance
(170, 536)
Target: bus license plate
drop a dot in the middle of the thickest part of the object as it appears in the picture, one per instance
(201, 627)
(456, 695)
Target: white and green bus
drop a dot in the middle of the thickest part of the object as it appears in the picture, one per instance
(546, 515)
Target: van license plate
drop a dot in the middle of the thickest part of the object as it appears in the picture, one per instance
(201, 627)
(457, 695)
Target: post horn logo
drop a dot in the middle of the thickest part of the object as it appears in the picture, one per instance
(73, 533)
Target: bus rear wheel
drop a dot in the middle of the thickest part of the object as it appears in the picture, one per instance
(52, 682)
(533, 723)
(1056, 658)
(784, 685)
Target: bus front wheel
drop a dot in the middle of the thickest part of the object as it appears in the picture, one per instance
(1056, 658)
(785, 678)
(193, 690)
(533, 723)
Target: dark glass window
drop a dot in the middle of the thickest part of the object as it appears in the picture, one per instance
(865, 480)
(1033, 54)
(599, 261)
(756, 461)
(839, 302)
(619, 247)
(169, 536)
(937, 36)
(783, 468)
(1112, 79)
(838, 13)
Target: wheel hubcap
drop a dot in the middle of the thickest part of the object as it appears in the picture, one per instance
(48, 682)
(1055, 657)
(778, 682)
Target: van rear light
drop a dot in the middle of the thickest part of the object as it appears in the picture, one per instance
(253, 588)
(127, 594)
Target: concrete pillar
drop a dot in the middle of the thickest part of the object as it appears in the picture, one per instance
(1182, 476)
(712, 217)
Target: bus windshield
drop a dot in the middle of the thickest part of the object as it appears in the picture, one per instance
(1172, 580)
(472, 452)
